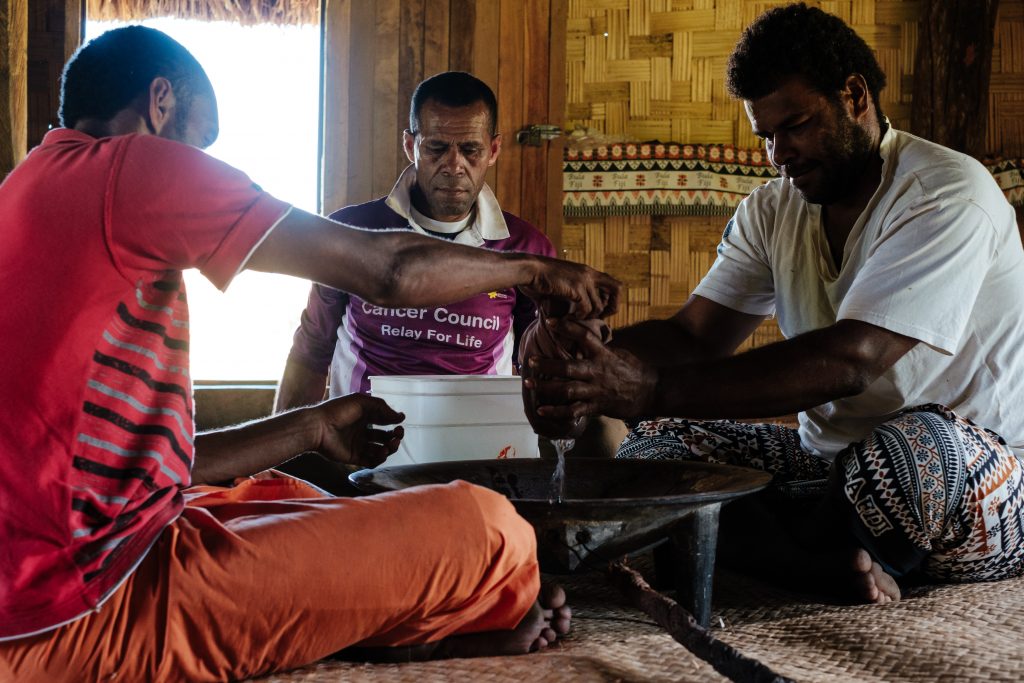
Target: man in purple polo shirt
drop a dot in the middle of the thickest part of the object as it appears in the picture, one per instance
(451, 142)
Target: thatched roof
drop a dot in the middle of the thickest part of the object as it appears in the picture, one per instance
(246, 12)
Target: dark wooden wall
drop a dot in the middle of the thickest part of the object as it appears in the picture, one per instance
(36, 39)
(54, 33)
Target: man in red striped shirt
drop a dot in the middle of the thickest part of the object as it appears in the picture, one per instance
(120, 556)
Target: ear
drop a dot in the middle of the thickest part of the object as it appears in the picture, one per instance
(857, 97)
(160, 111)
(409, 145)
(495, 149)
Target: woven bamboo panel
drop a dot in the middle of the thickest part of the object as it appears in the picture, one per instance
(659, 259)
(654, 69)
(665, 61)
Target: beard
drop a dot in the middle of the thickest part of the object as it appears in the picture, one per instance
(847, 153)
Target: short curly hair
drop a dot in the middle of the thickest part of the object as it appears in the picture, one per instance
(797, 40)
(109, 72)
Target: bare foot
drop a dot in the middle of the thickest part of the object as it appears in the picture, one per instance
(547, 620)
(872, 583)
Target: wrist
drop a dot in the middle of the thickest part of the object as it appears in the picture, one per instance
(307, 427)
(528, 268)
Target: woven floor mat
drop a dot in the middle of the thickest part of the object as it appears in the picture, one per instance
(969, 632)
(609, 641)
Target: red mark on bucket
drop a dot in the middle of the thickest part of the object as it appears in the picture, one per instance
(507, 452)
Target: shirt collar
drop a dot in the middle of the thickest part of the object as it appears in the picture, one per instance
(488, 224)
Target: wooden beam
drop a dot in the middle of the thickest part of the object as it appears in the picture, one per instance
(74, 26)
(951, 74)
(557, 87)
(13, 83)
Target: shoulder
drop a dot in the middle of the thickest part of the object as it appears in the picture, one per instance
(372, 214)
(523, 236)
(767, 202)
(940, 172)
(174, 168)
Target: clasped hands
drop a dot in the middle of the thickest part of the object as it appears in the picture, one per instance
(578, 375)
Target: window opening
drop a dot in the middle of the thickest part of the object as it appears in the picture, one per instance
(267, 82)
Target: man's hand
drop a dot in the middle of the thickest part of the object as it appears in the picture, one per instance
(590, 293)
(349, 433)
(605, 381)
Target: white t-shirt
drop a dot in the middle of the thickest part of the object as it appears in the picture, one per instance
(935, 255)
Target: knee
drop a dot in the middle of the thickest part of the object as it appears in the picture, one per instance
(502, 524)
(917, 440)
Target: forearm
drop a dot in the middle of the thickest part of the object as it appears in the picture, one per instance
(387, 268)
(244, 450)
(778, 379)
(299, 386)
(701, 330)
(661, 343)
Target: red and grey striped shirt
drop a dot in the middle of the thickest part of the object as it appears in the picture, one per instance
(96, 431)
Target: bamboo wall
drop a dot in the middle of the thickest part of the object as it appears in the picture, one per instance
(654, 69)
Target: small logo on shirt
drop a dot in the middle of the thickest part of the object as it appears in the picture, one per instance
(497, 295)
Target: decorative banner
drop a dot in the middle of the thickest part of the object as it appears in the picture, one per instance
(669, 178)
(1009, 173)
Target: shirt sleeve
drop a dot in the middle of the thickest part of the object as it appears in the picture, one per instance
(315, 339)
(172, 206)
(923, 275)
(741, 276)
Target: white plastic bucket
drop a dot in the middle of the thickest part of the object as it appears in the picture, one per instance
(458, 417)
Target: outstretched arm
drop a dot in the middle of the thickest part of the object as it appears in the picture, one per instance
(399, 268)
(701, 329)
(792, 375)
(343, 429)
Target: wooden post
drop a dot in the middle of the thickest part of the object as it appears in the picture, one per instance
(74, 26)
(951, 73)
(54, 33)
(13, 83)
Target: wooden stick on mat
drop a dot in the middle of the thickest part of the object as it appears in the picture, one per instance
(681, 625)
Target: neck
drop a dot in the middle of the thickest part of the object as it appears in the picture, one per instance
(124, 122)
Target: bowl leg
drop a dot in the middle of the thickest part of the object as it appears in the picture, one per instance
(687, 561)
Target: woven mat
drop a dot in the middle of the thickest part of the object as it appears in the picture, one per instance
(954, 632)
(610, 641)
(963, 633)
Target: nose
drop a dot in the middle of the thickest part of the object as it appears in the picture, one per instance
(780, 150)
(451, 164)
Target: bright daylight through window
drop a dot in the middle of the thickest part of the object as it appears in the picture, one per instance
(266, 82)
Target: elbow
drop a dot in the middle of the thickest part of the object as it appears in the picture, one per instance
(859, 368)
(855, 380)
(387, 286)
(864, 353)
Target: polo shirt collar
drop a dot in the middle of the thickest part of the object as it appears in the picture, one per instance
(488, 221)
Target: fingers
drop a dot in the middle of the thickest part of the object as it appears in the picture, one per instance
(556, 367)
(379, 412)
(611, 290)
(568, 411)
(586, 339)
(376, 445)
(385, 437)
(582, 291)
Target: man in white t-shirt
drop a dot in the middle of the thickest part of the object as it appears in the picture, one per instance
(896, 273)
